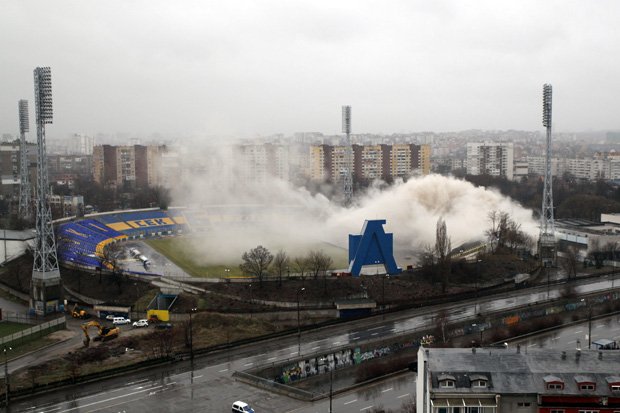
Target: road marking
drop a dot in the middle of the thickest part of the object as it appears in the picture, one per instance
(390, 389)
(578, 332)
(315, 347)
(259, 355)
(197, 377)
(403, 395)
(271, 358)
(222, 371)
(350, 401)
(375, 328)
(293, 353)
(216, 365)
(532, 345)
(355, 338)
(367, 407)
(248, 364)
(374, 334)
(110, 399)
(336, 343)
(136, 382)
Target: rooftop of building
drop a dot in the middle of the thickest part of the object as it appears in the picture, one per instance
(513, 370)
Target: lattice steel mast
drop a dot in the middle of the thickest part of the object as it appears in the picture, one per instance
(547, 242)
(46, 290)
(348, 156)
(25, 201)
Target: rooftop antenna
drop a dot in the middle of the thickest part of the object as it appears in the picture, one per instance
(547, 242)
(348, 155)
(25, 201)
(46, 290)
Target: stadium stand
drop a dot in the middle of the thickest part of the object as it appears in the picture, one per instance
(82, 243)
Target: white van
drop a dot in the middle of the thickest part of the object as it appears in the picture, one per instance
(241, 407)
(120, 320)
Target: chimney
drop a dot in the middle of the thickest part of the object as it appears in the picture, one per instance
(564, 355)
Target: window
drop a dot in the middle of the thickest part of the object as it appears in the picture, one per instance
(523, 404)
(479, 383)
(555, 386)
(556, 411)
(586, 387)
(446, 383)
(615, 387)
(588, 411)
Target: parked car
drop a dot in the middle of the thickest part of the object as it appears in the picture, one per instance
(141, 323)
(120, 321)
(110, 317)
(163, 326)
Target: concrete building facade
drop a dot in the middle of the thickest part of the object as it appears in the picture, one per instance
(490, 158)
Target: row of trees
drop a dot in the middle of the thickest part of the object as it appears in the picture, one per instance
(259, 262)
(504, 235)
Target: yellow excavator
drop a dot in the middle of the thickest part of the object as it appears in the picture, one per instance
(105, 333)
(77, 312)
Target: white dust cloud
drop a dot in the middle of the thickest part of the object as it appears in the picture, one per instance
(230, 218)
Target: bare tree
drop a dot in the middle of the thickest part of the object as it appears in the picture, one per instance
(569, 263)
(280, 264)
(256, 261)
(443, 248)
(301, 265)
(318, 262)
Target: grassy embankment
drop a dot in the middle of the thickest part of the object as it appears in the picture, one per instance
(178, 249)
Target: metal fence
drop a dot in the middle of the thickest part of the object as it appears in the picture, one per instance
(34, 332)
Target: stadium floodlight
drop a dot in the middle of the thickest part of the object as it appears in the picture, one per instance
(43, 94)
(24, 119)
(547, 97)
(346, 119)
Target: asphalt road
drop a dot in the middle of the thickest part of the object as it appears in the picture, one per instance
(207, 384)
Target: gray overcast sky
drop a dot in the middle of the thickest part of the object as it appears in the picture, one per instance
(261, 67)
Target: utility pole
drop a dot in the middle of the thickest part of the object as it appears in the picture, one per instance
(6, 376)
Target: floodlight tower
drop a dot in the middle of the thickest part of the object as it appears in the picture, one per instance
(547, 242)
(46, 289)
(348, 155)
(25, 204)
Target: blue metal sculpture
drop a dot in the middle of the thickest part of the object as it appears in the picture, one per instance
(372, 247)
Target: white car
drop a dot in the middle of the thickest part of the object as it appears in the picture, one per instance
(120, 321)
(141, 323)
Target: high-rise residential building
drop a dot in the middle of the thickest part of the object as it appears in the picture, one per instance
(135, 165)
(490, 158)
(260, 163)
(370, 162)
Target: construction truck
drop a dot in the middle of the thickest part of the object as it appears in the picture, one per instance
(77, 312)
(104, 333)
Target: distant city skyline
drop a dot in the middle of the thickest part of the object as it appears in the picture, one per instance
(245, 69)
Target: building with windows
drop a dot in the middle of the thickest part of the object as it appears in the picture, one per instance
(370, 162)
(490, 158)
(490, 380)
(137, 165)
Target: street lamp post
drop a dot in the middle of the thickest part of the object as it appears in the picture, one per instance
(383, 287)
(477, 286)
(299, 321)
(583, 300)
(331, 382)
(191, 334)
(250, 287)
(226, 272)
(6, 375)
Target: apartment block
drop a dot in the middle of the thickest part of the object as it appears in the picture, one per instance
(370, 162)
(136, 165)
(490, 158)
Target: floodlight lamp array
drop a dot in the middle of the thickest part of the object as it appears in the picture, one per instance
(346, 119)
(43, 94)
(547, 97)
(24, 119)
